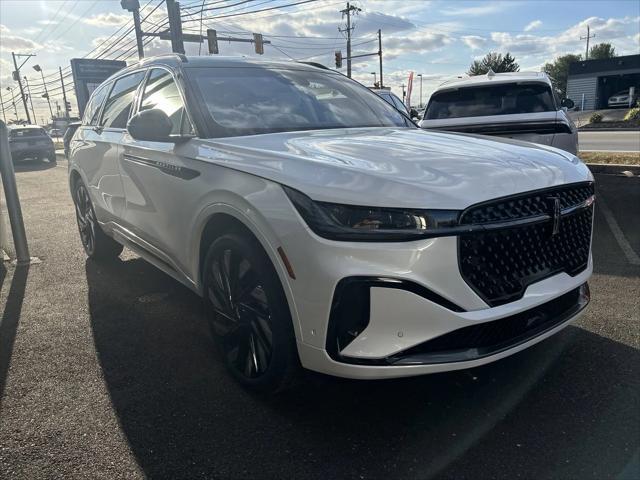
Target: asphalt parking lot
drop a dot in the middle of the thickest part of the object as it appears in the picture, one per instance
(108, 371)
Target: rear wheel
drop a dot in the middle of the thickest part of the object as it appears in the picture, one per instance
(96, 243)
(250, 316)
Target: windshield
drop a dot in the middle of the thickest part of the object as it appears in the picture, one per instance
(504, 99)
(254, 100)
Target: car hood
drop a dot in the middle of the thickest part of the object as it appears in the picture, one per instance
(396, 167)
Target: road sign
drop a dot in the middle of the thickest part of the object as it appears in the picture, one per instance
(88, 74)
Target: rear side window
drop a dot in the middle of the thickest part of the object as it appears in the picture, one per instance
(118, 106)
(398, 103)
(501, 99)
(162, 92)
(93, 107)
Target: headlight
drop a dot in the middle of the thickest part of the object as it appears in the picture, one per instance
(372, 224)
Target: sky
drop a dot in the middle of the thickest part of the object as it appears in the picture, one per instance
(438, 39)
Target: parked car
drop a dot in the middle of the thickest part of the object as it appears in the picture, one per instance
(68, 135)
(30, 141)
(322, 227)
(622, 99)
(519, 105)
(391, 98)
(55, 132)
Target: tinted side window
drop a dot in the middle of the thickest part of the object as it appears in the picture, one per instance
(93, 107)
(398, 103)
(162, 92)
(118, 106)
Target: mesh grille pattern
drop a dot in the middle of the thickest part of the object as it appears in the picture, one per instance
(500, 264)
(529, 205)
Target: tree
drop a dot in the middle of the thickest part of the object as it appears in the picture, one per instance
(494, 61)
(558, 71)
(602, 50)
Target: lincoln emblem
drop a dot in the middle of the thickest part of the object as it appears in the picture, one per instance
(554, 205)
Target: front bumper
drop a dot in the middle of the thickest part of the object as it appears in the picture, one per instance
(399, 319)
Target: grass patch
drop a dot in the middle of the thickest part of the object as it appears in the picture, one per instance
(621, 158)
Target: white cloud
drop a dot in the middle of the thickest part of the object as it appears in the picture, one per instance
(533, 25)
(107, 19)
(616, 31)
(484, 9)
(474, 42)
(422, 42)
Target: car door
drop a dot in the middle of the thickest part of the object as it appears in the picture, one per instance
(156, 175)
(92, 152)
(110, 131)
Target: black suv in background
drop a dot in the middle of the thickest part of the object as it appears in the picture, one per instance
(30, 141)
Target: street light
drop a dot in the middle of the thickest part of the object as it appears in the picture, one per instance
(375, 79)
(37, 68)
(420, 75)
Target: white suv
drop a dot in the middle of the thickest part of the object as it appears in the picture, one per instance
(322, 227)
(520, 105)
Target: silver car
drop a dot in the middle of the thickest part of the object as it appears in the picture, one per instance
(623, 98)
(519, 105)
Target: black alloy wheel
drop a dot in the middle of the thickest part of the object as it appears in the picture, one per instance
(251, 318)
(86, 219)
(96, 243)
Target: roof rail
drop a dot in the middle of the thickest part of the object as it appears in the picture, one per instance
(316, 64)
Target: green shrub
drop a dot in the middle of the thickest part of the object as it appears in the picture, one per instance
(595, 118)
(632, 114)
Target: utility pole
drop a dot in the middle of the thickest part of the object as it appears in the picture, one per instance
(16, 77)
(133, 6)
(404, 93)
(37, 68)
(4, 117)
(347, 11)
(175, 26)
(375, 80)
(380, 55)
(420, 75)
(67, 105)
(13, 102)
(26, 84)
(586, 54)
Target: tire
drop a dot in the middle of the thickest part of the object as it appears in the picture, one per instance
(250, 318)
(95, 242)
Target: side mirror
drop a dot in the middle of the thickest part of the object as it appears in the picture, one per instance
(151, 125)
(567, 102)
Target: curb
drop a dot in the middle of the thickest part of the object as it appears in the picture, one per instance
(613, 168)
(630, 129)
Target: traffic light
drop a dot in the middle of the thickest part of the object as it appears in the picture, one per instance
(67, 106)
(257, 40)
(338, 59)
(212, 40)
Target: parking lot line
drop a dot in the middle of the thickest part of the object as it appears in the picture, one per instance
(631, 255)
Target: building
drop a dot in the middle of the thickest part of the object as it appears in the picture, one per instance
(591, 82)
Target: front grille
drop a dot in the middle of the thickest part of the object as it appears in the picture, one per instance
(499, 264)
(523, 206)
(477, 341)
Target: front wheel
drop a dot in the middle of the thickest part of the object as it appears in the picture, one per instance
(250, 316)
(96, 243)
